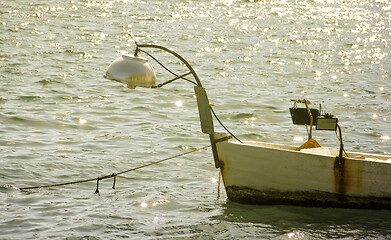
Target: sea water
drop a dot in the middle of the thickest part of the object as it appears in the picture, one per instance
(61, 121)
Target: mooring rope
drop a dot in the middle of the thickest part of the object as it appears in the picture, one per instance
(113, 175)
(218, 185)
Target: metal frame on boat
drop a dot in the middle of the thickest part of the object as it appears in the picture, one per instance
(265, 173)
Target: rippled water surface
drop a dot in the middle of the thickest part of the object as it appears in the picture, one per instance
(61, 121)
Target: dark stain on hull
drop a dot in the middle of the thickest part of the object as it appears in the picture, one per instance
(340, 177)
(309, 199)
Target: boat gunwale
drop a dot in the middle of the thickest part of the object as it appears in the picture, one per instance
(359, 156)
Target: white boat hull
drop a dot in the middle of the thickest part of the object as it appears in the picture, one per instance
(261, 173)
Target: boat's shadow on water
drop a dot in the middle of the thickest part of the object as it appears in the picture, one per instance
(311, 222)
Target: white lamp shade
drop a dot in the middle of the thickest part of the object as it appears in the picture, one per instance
(133, 71)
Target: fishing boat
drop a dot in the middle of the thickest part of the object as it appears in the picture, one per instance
(307, 175)
(267, 173)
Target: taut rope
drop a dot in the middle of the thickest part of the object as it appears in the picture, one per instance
(113, 175)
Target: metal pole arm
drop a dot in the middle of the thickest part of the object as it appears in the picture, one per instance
(204, 108)
(138, 46)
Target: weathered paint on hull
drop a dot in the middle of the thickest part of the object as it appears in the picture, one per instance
(309, 199)
(259, 173)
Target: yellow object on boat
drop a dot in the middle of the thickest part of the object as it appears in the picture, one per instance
(312, 143)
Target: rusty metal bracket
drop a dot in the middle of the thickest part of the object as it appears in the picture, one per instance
(339, 162)
(218, 162)
(223, 139)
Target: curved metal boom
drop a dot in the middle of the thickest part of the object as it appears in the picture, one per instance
(173, 53)
(204, 108)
